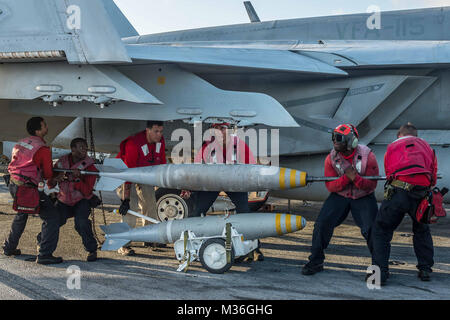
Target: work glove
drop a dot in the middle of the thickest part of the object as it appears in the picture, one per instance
(95, 201)
(124, 207)
(185, 194)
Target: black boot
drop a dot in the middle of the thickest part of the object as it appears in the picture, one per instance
(424, 275)
(48, 259)
(92, 256)
(310, 269)
(15, 252)
(383, 278)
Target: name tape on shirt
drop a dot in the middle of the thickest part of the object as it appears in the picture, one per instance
(145, 149)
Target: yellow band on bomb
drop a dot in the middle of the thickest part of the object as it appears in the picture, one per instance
(282, 178)
(278, 224)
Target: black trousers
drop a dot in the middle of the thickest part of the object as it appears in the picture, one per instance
(49, 231)
(205, 199)
(389, 217)
(80, 212)
(333, 213)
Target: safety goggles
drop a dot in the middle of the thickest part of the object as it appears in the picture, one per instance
(339, 138)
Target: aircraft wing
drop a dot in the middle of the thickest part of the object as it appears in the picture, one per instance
(385, 78)
(383, 53)
(340, 54)
(256, 59)
(371, 96)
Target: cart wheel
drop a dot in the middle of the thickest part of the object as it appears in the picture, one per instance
(213, 256)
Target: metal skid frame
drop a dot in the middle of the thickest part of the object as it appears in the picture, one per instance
(188, 246)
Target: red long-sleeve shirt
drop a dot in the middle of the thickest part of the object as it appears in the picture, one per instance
(43, 160)
(248, 154)
(87, 182)
(132, 153)
(359, 182)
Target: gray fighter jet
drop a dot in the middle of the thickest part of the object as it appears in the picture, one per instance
(73, 59)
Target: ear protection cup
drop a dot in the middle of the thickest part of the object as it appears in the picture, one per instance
(355, 141)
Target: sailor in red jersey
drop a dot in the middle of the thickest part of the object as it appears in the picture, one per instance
(146, 148)
(223, 148)
(76, 191)
(30, 165)
(349, 161)
(411, 170)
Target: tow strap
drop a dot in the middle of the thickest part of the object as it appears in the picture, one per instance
(187, 255)
(228, 242)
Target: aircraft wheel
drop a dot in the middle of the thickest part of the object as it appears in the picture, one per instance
(170, 206)
(213, 256)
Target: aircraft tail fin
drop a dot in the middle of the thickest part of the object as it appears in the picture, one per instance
(251, 12)
(122, 24)
(50, 30)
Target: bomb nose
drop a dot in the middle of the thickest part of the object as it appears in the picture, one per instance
(287, 223)
(290, 178)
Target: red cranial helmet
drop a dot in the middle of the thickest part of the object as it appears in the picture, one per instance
(346, 133)
(220, 125)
